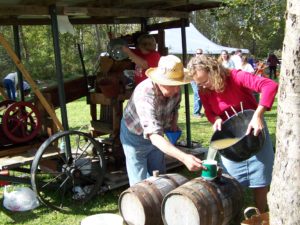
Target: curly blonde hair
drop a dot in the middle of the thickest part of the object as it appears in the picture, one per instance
(217, 74)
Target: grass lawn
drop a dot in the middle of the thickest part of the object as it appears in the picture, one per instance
(79, 117)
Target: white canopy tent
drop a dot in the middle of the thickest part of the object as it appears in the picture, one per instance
(194, 40)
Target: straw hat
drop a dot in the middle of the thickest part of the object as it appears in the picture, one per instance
(170, 72)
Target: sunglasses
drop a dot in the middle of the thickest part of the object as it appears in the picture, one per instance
(198, 53)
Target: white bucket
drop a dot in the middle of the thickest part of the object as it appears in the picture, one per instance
(103, 219)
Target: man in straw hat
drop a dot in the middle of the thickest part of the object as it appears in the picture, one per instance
(151, 110)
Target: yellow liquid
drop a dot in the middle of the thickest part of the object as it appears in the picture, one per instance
(223, 143)
(211, 154)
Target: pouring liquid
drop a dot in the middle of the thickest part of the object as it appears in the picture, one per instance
(220, 144)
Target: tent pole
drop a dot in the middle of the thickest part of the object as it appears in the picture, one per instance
(184, 22)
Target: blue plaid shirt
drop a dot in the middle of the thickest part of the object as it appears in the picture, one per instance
(148, 111)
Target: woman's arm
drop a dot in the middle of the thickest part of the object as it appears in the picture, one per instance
(135, 58)
(257, 122)
(267, 87)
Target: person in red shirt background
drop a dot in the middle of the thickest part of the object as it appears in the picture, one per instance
(272, 61)
(219, 90)
(144, 56)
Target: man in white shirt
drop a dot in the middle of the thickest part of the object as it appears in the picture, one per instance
(10, 83)
(237, 59)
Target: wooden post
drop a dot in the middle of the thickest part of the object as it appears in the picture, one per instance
(31, 82)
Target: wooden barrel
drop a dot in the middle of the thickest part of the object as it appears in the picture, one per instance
(203, 202)
(141, 203)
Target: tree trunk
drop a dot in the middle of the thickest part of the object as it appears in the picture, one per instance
(284, 195)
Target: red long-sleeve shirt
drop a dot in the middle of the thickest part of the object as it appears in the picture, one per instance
(239, 87)
(152, 59)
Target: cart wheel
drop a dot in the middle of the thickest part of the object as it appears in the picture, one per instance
(21, 122)
(64, 179)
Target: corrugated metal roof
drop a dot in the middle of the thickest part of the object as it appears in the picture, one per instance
(98, 11)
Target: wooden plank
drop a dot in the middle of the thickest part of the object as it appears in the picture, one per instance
(25, 158)
(125, 12)
(99, 98)
(17, 150)
(166, 25)
(102, 127)
(16, 10)
(21, 10)
(73, 20)
(31, 82)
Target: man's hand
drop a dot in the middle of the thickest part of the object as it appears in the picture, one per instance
(192, 163)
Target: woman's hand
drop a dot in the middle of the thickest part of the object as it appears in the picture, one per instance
(257, 122)
(217, 124)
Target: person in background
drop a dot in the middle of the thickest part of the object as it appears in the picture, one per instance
(26, 89)
(251, 61)
(151, 110)
(197, 100)
(245, 66)
(225, 60)
(144, 56)
(237, 59)
(272, 62)
(260, 69)
(10, 83)
(220, 89)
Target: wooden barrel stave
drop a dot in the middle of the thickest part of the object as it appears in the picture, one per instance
(145, 198)
(207, 202)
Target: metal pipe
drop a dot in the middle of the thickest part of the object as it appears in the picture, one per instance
(59, 73)
(186, 87)
(18, 53)
(83, 67)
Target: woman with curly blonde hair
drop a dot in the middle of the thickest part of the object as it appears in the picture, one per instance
(222, 89)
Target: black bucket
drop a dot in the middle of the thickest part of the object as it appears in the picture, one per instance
(236, 127)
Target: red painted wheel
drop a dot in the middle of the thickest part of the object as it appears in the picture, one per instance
(4, 104)
(21, 122)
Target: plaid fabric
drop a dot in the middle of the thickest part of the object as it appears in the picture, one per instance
(148, 111)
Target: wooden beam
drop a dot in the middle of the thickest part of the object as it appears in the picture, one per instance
(31, 82)
(125, 12)
(91, 20)
(166, 25)
(89, 11)
(18, 10)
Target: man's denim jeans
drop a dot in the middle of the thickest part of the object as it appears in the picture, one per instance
(142, 157)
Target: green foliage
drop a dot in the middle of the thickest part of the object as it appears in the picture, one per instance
(37, 51)
(254, 24)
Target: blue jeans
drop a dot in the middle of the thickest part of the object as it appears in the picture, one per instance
(10, 88)
(197, 100)
(142, 157)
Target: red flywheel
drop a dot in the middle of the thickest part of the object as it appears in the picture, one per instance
(21, 122)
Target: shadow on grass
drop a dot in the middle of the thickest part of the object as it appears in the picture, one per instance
(22, 217)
